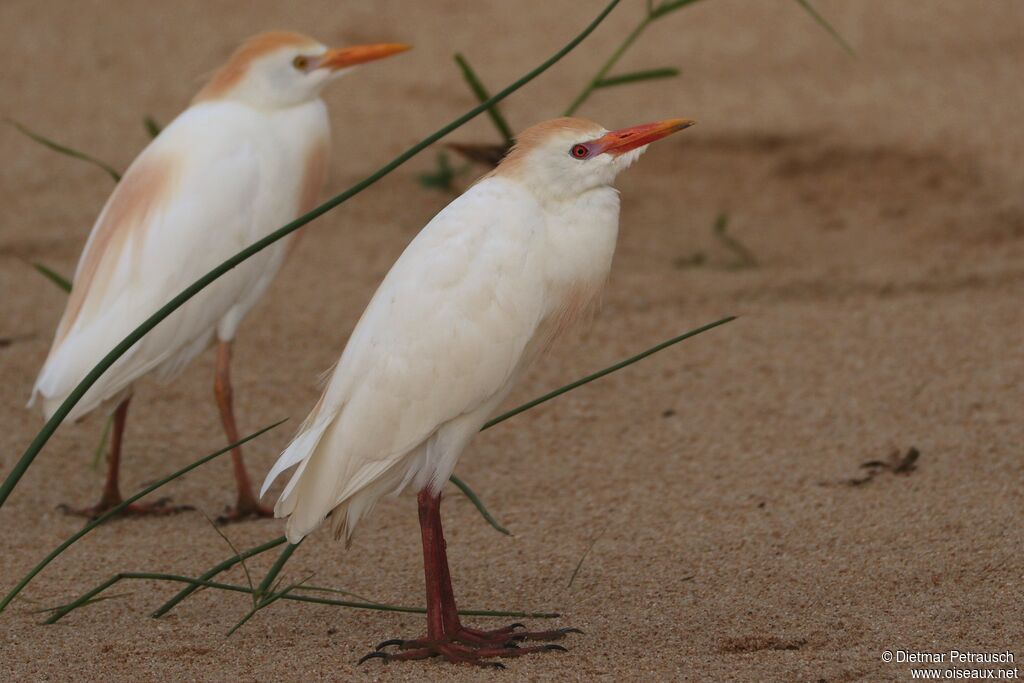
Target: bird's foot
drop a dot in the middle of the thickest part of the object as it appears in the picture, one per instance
(455, 653)
(243, 510)
(158, 508)
(472, 646)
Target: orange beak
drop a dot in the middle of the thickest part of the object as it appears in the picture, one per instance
(624, 139)
(343, 57)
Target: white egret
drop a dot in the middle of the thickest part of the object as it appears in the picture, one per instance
(480, 291)
(249, 155)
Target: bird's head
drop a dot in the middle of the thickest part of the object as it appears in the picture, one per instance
(281, 69)
(568, 156)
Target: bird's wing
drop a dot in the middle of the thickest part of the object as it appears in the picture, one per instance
(445, 331)
(184, 205)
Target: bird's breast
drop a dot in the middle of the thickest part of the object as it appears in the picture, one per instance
(580, 246)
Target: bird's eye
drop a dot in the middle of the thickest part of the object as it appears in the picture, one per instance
(300, 62)
(579, 152)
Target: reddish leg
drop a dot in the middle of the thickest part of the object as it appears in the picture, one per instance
(446, 636)
(111, 489)
(247, 505)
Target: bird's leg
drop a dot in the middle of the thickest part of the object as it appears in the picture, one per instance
(247, 504)
(433, 539)
(446, 636)
(454, 629)
(111, 489)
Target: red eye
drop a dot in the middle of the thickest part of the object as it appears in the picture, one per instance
(579, 152)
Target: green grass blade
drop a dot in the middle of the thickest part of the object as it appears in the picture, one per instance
(443, 176)
(174, 304)
(589, 88)
(54, 277)
(668, 7)
(270, 600)
(65, 284)
(482, 96)
(65, 150)
(607, 371)
(637, 76)
(238, 555)
(564, 389)
(473, 498)
(458, 482)
(744, 257)
(567, 388)
(336, 591)
(117, 508)
(278, 565)
(214, 571)
(152, 127)
(103, 598)
(249, 615)
(652, 14)
(89, 598)
(827, 26)
(586, 552)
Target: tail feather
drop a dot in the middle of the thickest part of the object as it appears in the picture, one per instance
(298, 451)
(331, 479)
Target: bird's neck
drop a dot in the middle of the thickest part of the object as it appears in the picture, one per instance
(580, 240)
(579, 244)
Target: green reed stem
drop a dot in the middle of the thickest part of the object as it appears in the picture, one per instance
(79, 391)
(279, 564)
(118, 508)
(455, 480)
(67, 151)
(637, 76)
(53, 276)
(475, 500)
(482, 95)
(213, 571)
(607, 371)
(609, 64)
(89, 596)
(827, 26)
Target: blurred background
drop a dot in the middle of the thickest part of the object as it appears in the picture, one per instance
(862, 213)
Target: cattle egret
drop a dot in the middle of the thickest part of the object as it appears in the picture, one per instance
(247, 156)
(483, 288)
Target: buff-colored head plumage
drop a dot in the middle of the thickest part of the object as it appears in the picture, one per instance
(565, 157)
(282, 69)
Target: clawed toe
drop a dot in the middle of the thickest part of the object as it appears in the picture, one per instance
(470, 646)
(373, 655)
(556, 634)
(387, 643)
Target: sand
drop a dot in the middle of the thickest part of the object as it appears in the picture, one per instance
(881, 197)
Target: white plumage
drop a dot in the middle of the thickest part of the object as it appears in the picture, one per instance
(248, 156)
(218, 178)
(482, 288)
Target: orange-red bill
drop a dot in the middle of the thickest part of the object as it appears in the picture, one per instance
(624, 139)
(342, 57)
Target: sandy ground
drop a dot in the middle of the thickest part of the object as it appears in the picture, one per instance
(882, 199)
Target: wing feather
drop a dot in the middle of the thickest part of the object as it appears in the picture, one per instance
(189, 201)
(443, 335)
